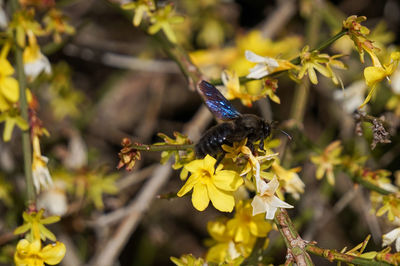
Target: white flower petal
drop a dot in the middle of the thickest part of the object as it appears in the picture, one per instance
(398, 244)
(258, 204)
(270, 213)
(33, 69)
(270, 188)
(277, 202)
(258, 72)
(390, 237)
(252, 57)
(351, 97)
(395, 84)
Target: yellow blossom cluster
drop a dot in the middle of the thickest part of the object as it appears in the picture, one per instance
(29, 250)
(159, 18)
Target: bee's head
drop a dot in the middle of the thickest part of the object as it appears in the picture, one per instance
(266, 129)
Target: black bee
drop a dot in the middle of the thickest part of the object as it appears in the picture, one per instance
(235, 127)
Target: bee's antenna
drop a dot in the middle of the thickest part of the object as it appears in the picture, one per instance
(274, 125)
(287, 134)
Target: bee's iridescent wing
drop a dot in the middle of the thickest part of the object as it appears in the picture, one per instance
(217, 103)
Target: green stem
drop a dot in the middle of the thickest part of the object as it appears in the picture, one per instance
(168, 147)
(333, 255)
(294, 243)
(295, 61)
(26, 143)
(369, 185)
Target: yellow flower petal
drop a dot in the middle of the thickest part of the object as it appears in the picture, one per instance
(222, 201)
(53, 253)
(188, 185)
(200, 197)
(10, 89)
(374, 75)
(227, 180)
(6, 68)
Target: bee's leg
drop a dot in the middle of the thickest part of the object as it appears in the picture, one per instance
(251, 147)
(219, 159)
(261, 146)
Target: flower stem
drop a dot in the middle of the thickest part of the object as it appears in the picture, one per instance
(333, 255)
(294, 243)
(168, 147)
(295, 61)
(26, 143)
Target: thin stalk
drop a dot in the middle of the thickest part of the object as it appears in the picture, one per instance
(168, 147)
(295, 61)
(26, 143)
(333, 255)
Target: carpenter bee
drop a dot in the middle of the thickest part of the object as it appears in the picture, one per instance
(235, 127)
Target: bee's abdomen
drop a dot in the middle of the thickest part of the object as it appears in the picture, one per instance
(210, 143)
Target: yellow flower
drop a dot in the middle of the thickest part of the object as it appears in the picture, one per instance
(266, 201)
(162, 20)
(327, 161)
(34, 223)
(224, 248)
(244, 226)
(9, 89)
(11, 118)
(188, 260)
(323, 63)
(291, 180)
(141, 8)
(243, 92)
(375, 74)
(391, 205)
(181, 157)
(98, 184)
(212, 184)
(57, 23)
(358, 34)
(32, 254)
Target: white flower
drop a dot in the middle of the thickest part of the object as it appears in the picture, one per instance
(40, 173)
(389, 238)
(77, 153)
(265, 65)
(395, 84)
(266, 201)
(54, 200)
(35, 67)
(351, 97)
(3, 17)
(295, 186)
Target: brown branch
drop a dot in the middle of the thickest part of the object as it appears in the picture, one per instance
(295, 244)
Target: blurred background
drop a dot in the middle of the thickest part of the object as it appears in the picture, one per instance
(110, 80)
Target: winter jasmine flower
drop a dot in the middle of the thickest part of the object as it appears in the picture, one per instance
(266, 201)
(32, 253)
(35, 62)
(212, 184)
(352, 96)
(265, 65)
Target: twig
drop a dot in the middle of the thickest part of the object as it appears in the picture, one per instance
(295, 244)
(333, 255)
(122, 61)
(26, 144)
(107, 255)
(134, 177)
(167, 147)
(279, 18)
